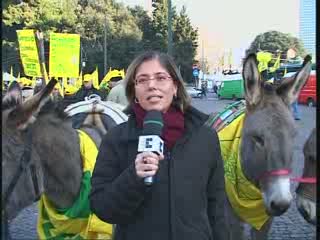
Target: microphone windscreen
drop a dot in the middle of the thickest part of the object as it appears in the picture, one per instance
(152, 123)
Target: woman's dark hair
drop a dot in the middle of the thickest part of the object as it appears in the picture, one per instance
(181, 101)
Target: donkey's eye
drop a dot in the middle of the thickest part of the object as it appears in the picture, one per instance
(258, 140)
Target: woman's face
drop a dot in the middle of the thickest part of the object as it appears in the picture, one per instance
(154, 87)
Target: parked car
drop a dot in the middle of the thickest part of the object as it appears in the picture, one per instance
(308, 94)
(193, 92)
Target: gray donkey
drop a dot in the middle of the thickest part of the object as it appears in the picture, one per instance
(40, 152)
(267, 140)
(307, 189)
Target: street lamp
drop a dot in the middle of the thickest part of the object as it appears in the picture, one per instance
(105, 47)
(169, 27)
(169, 50)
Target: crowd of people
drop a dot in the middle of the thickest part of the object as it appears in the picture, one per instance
(112, 90)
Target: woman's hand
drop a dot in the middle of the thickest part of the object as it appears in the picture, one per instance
(147, 164)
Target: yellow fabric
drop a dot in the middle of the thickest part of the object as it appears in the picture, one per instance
(81, 228)
(95, 77)
(243, 196)
(89, 154)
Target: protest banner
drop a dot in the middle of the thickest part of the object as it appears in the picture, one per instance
(64, 55)
(29, 53)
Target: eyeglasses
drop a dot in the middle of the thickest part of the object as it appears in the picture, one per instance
(160, 79)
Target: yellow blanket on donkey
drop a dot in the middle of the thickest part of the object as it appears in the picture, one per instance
(76, 222)
(243, 196)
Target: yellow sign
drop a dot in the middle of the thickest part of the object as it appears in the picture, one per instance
(64, 55)
(29, 53)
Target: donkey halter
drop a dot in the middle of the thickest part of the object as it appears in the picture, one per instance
(24, 163)
(286, 172)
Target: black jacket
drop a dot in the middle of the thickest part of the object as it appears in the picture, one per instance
(85, 92)
(186, 200)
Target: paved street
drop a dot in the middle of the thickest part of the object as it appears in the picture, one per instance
(290, 226)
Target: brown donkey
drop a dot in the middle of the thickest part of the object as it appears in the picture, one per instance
(40, 152)
(265, 151)
(307, 189)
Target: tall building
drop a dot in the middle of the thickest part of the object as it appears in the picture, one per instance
(307, 31)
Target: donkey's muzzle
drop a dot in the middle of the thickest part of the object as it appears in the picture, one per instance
(279, 207)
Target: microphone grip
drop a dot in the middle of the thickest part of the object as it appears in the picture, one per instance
(148, 181)
(150, 143)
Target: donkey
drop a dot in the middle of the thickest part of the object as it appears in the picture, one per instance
(307, 189)
(266, 145)
(40, 152)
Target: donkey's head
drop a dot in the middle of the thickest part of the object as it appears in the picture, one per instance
(307, 189)
(21, 181)
(269, 132)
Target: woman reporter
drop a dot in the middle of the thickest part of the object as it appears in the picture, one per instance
(186, 200)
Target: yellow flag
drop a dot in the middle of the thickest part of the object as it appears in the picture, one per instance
(95, 77)
(11, 75)
(276, 64)
(221, 62)
(264, 58)
(122, 73)
(106, 78)
(46, 77)
(230, 59)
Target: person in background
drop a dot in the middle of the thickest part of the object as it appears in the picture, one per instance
(118, 94)
(38, 86)
(203, 89)
(104, 88)
(56, 96)
(215, 89)
(187, 198)
(87, 89)
(295, 110)
(114, 81)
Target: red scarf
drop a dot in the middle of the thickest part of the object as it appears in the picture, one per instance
(173, 121)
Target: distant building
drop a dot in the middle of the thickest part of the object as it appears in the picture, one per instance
(307, 21)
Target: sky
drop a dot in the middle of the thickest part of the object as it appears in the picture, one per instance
(231, 25)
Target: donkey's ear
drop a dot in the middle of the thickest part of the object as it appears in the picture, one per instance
(14, 93)
(290, 87)
(252, 81)
(25, 114)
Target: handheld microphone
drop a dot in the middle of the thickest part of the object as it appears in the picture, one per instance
(150, 140)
